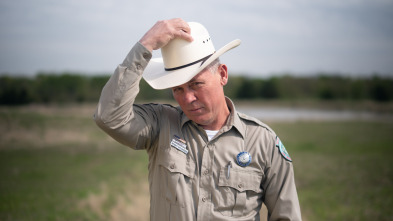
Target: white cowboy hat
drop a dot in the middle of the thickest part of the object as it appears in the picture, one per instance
(182, 60)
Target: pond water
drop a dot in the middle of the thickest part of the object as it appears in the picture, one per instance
(295, 114)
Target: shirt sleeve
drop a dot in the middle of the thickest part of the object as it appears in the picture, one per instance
(280, 195)
(116, 113)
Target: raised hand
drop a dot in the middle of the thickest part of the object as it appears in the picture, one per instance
(164, 31)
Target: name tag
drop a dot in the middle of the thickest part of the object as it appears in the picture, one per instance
(179, 144)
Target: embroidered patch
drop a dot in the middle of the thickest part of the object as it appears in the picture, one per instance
(179, 144)
(282, 149)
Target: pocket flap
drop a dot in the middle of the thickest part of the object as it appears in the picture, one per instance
(176, 162)
(241, 179)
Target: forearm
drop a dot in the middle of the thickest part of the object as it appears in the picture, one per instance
(115, 107)
(281, 197)
(282, 202)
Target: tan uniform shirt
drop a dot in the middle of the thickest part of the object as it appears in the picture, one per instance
(190, 180)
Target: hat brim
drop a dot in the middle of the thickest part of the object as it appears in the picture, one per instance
(158, 78)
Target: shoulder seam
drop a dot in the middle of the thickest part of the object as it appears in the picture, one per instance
(255, 120)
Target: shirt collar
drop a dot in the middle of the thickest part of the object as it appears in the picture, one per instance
(232, 121)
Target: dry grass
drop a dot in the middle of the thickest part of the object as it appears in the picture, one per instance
(132, 205)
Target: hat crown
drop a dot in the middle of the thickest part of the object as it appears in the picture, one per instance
(179, 52)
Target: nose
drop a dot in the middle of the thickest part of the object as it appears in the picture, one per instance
(189, 96)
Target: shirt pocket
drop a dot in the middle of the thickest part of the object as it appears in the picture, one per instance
(176, 172)
(238, 192)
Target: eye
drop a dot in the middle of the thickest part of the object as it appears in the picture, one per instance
(176, 90)
(196, 84)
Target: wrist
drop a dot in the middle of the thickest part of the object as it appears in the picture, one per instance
(146, 44)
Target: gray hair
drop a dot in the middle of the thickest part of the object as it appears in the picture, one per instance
(213, 67)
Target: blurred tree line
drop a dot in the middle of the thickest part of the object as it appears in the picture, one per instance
(70, 88)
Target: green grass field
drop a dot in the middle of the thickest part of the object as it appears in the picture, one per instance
(55, 164)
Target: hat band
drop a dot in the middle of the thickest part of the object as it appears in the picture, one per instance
(192, 63)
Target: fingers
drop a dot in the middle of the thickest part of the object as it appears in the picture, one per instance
(178, 28)
(185, 34)
(164, 31)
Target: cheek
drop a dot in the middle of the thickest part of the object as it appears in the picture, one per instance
(208, 101)
(177, 99)
(181, 104)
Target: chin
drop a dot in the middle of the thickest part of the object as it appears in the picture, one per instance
(200, 121)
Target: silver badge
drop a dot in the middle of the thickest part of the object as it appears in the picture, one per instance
(243, 159)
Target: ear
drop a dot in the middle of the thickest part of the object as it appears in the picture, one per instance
(223, 71)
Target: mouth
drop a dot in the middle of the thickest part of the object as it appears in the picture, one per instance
(195, 110)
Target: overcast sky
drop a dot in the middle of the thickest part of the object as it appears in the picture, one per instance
(297, 36)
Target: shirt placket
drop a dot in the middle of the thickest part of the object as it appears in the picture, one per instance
(206, 183)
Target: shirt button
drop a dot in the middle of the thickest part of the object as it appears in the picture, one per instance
(240, 185)
(206, 172)
(203, 199)
(172, 166)
(138, 67)
(146, 56)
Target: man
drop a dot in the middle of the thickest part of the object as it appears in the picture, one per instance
(206, 160)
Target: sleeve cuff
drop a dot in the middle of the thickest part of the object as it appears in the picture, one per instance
(138, 58)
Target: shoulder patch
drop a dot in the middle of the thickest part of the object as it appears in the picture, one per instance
(282, 149)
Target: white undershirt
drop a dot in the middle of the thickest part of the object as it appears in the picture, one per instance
(211, 133)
